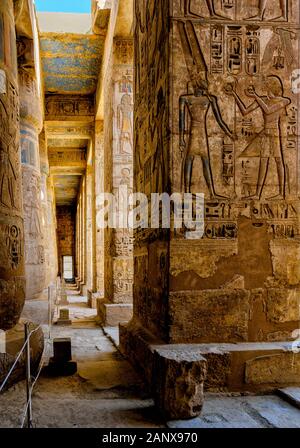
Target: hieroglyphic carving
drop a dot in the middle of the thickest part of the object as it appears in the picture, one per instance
(124, 50)
(58, 105)
(75, 156)
(62, 131)
(14, 246)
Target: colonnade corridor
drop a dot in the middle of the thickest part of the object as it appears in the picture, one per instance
(149, 215)
(105, 391)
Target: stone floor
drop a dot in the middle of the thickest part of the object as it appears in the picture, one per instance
(107, 393)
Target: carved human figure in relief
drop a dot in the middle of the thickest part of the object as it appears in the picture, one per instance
(198, 105)
(8, 176)
(262, 7)
(268, 143)
(210, 6)
(124, 114)
(34, 191)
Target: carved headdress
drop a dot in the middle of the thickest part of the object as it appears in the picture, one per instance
(194, 58)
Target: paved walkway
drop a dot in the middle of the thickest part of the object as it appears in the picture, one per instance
(106, 392)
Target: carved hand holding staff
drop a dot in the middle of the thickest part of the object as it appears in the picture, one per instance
(210, 6)
(269, 142)
(197, 104)
(262, 7)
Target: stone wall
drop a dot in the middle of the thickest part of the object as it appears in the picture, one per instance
(233, 72)
(151, 164)
(65, 233)
(12, 274)
(232, 118)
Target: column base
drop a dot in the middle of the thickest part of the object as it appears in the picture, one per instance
(11, 343)
(113, 314)
(92, 299)
(174, 374)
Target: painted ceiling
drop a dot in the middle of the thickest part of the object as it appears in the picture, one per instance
(66, 188)
(71, 62)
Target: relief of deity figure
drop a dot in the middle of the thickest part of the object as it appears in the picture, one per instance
(268, 143)
(197, 105)
(262, 7)
(210, 6)
(8, 176)
(124, 115)
(35, 224)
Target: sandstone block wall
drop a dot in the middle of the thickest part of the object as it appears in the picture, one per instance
(65, 233)
(216, 112)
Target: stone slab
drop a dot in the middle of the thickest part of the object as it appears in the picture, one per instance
(220, 411)
(111, 314)
(291, 395)
(62, 349)
(113, 334)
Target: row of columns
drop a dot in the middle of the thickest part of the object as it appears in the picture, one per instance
(26, 196)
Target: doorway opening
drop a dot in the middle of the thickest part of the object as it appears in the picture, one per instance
(68, 269)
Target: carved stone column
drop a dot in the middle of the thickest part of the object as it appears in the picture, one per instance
(52, 231)
(12, 274)
(90, 225)
(46, 225)
(31, 125)
(217, 112)
(99, 189)
(117, 306)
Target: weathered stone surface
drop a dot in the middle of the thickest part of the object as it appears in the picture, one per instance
(209, 316)
(30, 127)
(174, 375)
(179, 382)
(12, 274)
(283, 305)
(291, 395)
(14, 341)
(112, 314)
(276, 369)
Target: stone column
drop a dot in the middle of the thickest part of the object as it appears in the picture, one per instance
(31, 125)
(90, 222)
(99, 189)
(12, 274)
(117, 306)
(52, 231)
(216, 113)
(46, 227)
(81, 212)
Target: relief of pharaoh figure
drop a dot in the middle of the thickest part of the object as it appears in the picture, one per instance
(262, 7)
(197, 105)
(268, 143)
